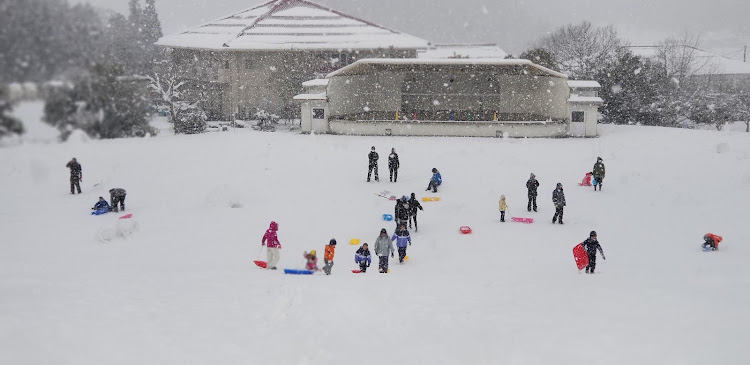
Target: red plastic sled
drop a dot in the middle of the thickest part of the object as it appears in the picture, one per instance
(465, 229)
(261, 264)
(126, 216)
(522, 220)
(579, 254)
(356, 271)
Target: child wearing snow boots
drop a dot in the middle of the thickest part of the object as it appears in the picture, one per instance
(102, 205)
(272, 242)
(402, 238)
(586, 180)
(711, 242)
(383, 248)
(591, 245)
(312, 261)
(362, 257)
(328, 256)
(598, 173)
(503, 207)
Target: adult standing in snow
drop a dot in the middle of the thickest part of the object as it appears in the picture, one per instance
(76, 175)
(591, 245)
(271, 241)
(531, 185)
(598, 173)
(558, 198)
(413, 206)
(435, 180)
(373, 164)
(117, 196)
(393, 164)
(383, 248)
(401, 212)
(402, 238)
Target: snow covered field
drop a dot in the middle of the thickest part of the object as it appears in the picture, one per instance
(177, 285)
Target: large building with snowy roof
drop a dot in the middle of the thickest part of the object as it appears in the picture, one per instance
(448, 97)
(256, 59)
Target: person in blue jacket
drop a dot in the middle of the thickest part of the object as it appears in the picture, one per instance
(435, 181)
(362, 257)
(402, 238)
(102, 205)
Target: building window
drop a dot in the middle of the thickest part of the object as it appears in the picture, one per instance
(318, 113)
(577, 117)
(249, 64)
(226, 64)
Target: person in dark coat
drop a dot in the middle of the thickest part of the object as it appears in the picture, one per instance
(591, 245)
(373, 164)
(76, 175)
(598, 173)
(413, 206)
(531, 185)
(117, 195)
(558, 198)
(393, 164)
(101, 204)
(401, 211)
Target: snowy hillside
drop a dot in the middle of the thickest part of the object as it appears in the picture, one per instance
(176, 283)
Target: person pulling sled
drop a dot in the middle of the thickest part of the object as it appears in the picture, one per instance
(711, 242)
(591, 245)
(362, 257)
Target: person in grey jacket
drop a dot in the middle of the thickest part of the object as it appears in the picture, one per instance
(117, 196)
(383, 248)
(558, 198)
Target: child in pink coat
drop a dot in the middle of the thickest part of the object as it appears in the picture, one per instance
(272, 242)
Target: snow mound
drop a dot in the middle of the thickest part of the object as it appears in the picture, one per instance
(722, 148)
(224, 196)
(77, 137)
(122, 229)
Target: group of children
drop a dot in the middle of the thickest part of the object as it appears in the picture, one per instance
(383, 249)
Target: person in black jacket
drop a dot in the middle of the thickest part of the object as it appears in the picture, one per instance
(76, 175)
(117, 195)
(393, 164)
(413, 206)
(558, 198)
(591, 245)
(401, 211)
(532, 184)
(373, 158)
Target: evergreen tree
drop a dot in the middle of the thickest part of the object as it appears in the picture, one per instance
(104, 104)
(541, 57)
(8, 124)
(151, 26)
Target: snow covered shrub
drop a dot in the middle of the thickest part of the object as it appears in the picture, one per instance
(8, 124)
(266, 121)
(190, 120)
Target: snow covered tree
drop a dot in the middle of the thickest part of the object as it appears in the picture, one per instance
(711, 109)
(104, 104)
(541, 57)
(742, 109)
(582, 50)
(631, 91)
(130, 40)
(8, 124)
(165, 83)
(151, 26)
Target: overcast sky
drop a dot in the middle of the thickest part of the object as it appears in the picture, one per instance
(724, 25)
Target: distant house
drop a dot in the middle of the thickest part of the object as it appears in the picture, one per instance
(256, 59)
(448, 97)
(715, 72)
(472, 51)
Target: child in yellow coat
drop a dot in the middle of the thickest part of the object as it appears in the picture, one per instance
(503, 206)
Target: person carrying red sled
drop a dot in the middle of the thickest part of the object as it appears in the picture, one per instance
(711, 242)
(591, 245)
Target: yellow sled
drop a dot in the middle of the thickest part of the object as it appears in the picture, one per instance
(430, 198)
(354, 241)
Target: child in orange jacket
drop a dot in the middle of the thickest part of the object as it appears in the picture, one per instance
(328, 256)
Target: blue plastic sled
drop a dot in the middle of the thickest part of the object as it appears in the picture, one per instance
(706, 249)
(297, 272)
(100, 211)
(387, 217)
